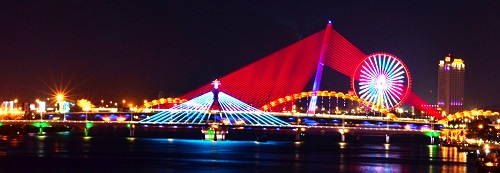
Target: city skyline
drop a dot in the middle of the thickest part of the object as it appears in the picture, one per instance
(131, 51)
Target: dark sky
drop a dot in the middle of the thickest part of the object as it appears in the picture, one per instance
(134, 49)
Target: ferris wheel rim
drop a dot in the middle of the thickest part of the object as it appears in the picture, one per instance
(406, 89)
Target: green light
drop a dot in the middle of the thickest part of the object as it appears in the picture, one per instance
(432, 134)
(89, 125)
(210, 132)
(1, 124)
(41, 124)
(131, 126)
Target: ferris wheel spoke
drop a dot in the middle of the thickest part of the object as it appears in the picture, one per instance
(387, 103)
(387, 62)
(382, 63)
(395, 93)
(395, 82)
(365, 75)
(372, 98)
(398, 71)
(379, 64)
(398, 78)
(374, 66)
(393, 96)
(371, 67)
(396, 85)
(366, 91)
(365, 82)
(393, 67)
(398, 74)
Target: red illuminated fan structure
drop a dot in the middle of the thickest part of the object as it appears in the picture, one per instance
(288, 71)
(382, 79)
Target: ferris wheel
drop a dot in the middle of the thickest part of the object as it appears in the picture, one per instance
(382, 79)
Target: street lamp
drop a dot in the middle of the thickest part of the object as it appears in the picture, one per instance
(400, 110)
(60, 98)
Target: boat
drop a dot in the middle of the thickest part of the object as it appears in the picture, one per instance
(262, 138)
(488, 160)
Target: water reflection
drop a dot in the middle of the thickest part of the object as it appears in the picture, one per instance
(41, 146)
(235, 156)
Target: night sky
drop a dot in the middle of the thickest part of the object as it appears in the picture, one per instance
(131, 50)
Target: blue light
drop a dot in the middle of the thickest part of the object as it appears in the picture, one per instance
(232, 111)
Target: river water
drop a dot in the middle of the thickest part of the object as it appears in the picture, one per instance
(70, 152)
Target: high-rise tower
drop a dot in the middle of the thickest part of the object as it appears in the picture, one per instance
(451, 75)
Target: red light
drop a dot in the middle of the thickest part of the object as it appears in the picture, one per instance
(288, 70)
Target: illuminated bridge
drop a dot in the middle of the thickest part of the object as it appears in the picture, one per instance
(252, 92)
(214, 108)
(217, 113)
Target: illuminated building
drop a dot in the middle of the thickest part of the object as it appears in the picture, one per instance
(451, 85)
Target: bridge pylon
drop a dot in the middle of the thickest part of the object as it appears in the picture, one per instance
(319, 70)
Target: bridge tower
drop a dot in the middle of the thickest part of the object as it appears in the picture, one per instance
(215, 108)
(319, 70)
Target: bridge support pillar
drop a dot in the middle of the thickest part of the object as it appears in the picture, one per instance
(40, 130)
(342, 138)
(432, 140)
(215, 134)
(387, 138)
